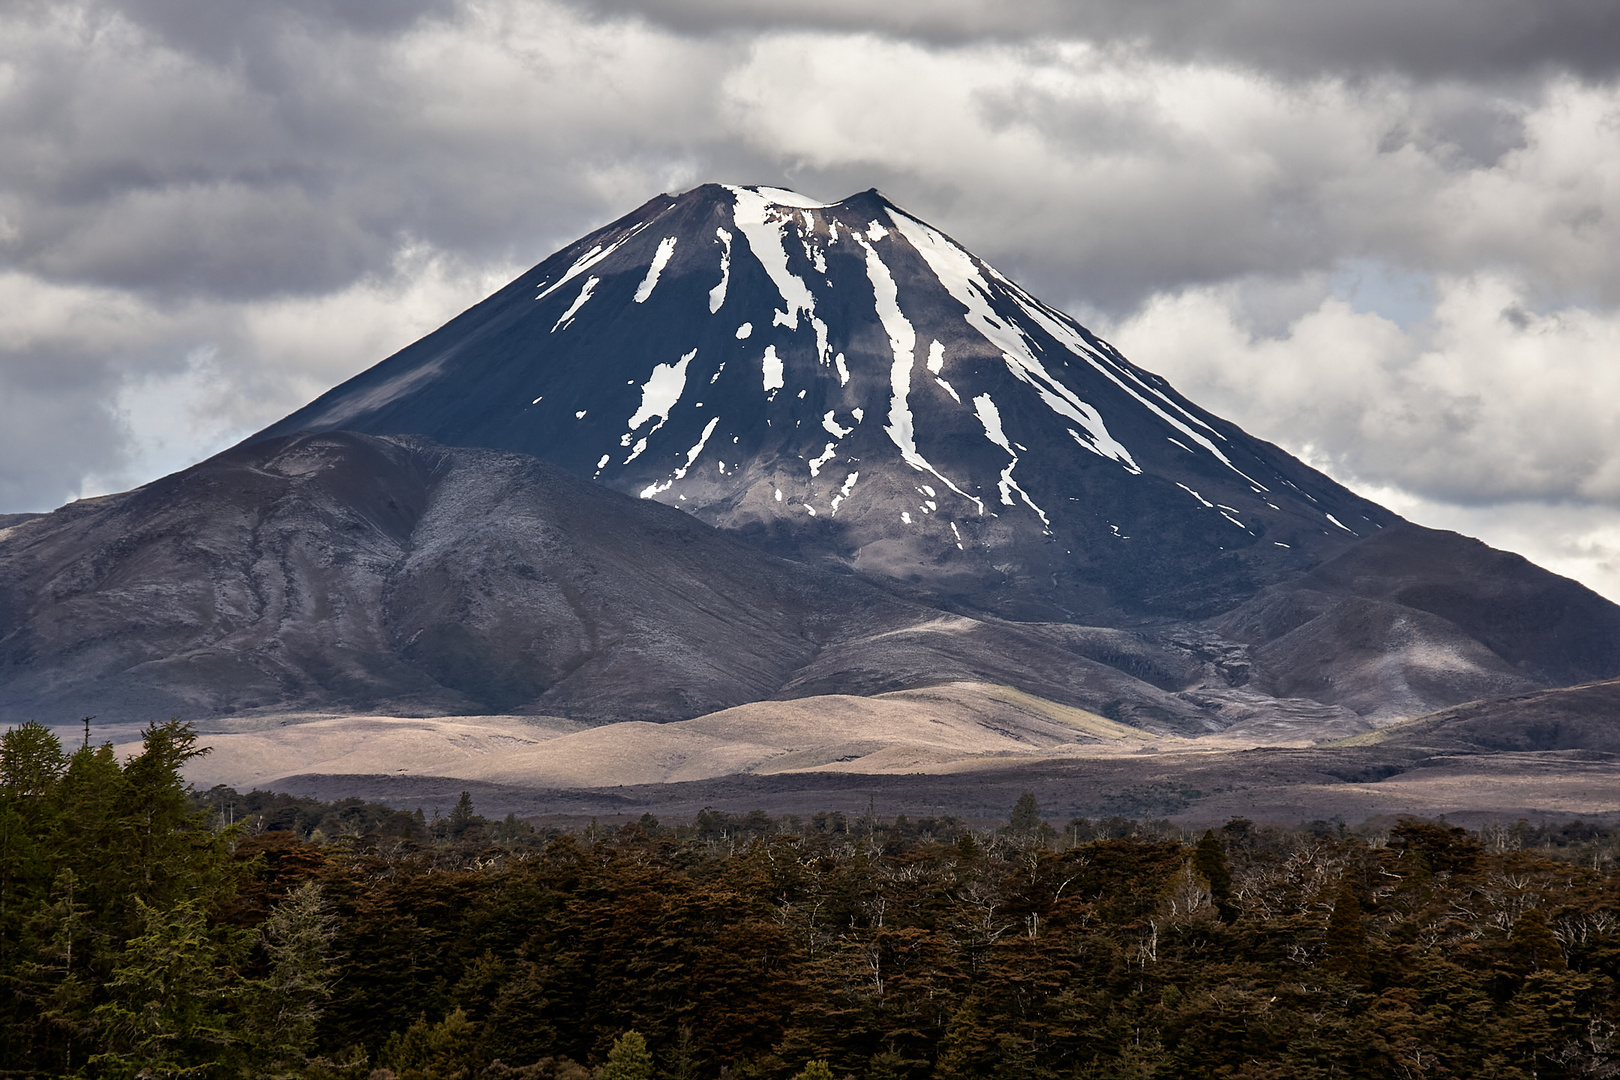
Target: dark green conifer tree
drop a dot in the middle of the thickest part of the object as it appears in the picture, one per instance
(108, 880)
(462, 817)
(278, 1013)
(1026, 816)
(427, 1051)
(968, 1050)
(1209, 861)
(1532, 946)
(1346, 939)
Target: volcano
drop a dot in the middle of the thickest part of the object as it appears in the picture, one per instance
(844, 383)
(897, 472)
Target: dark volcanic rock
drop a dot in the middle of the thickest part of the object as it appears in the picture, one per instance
(845, 383)
(841, 385)
(348, 572)
(1413, 616)
(1549, 628)
(1570, 718)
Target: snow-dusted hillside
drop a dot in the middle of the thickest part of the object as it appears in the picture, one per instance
(1005, 500)
(845, 381)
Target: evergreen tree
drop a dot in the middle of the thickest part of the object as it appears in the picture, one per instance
(518, 1028)
(887, 1065)
(424, 1051)
(1532, 945)
(280, 1011)
(31, 765)
(1439, 847)
(167, 1012)
(55, 976)
(629, 1059)
(108, 880)
(680, 1065)
(1026, 816)
(462, 817)
(1346, 939)
(31, 759)
(1209, 860)
(968, 1049)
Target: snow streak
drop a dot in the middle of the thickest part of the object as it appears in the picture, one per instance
(680, 474)
(1057, 326)
(753, 215)
(666, 248)
(903, 343)
(717, 295)
(990, 417)
(957, 271)
(659, 394)
(590, 259)
(843, 492)
(579, 302)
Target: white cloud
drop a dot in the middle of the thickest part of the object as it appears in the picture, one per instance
(1107, 174)
(102, 389)
(1483, 417)
(1482, 401)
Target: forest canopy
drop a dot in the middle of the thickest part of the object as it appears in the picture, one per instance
(149, 930)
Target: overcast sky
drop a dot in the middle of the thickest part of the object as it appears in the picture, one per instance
(1382, 233)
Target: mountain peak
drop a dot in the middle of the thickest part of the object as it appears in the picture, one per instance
(841, 383)
(844, 382)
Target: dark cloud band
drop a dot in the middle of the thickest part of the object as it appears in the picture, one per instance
(1424, 38)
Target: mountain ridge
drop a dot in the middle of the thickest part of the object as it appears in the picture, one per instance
(843, 383)
(363, 573)
(740, 446)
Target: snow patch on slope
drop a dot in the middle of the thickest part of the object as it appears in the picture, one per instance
(956, 271)
(826, 455)
(692, 454)
(1202, 501)
(659, 394)
(763, 230)
(717, 295)
(843, 492)
(590, 259)
(666, 248)
(783, 197)
(990, 417)
(903, 343)
(755, 214)
(579, 301)
(771, 369)
(680, 474)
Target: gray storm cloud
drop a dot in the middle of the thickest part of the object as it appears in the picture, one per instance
(1428, 38)
(1385, 235)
